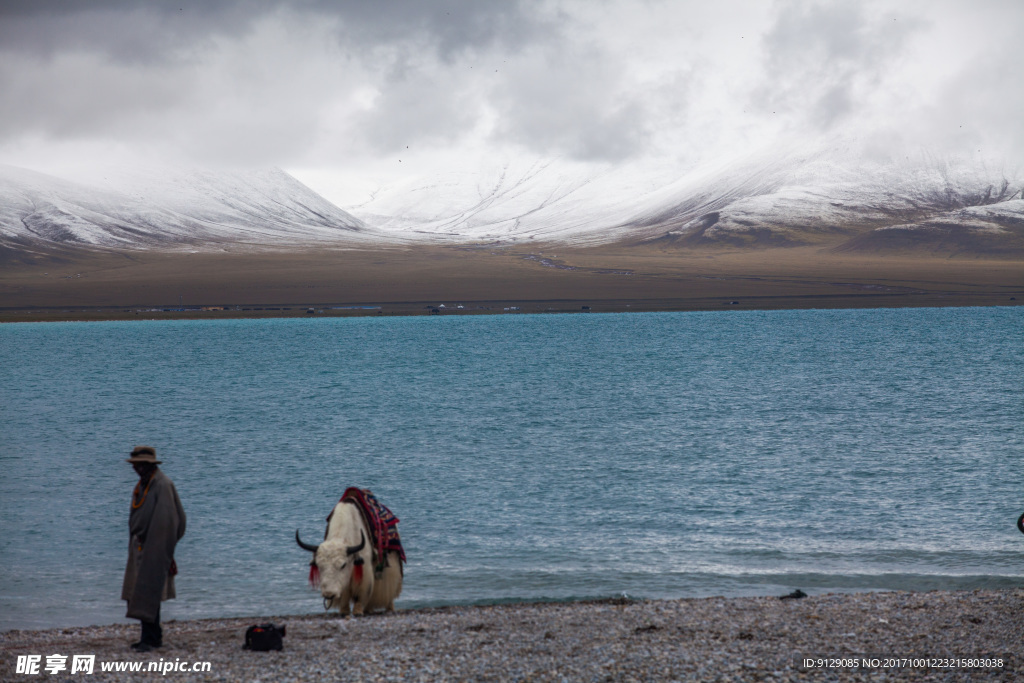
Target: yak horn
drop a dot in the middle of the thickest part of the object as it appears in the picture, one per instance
(305, 546)
(352, 550)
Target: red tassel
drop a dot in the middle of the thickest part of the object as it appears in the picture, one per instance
(357, 573)
(314, 576)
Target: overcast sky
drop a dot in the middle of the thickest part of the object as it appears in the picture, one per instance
(367, 91)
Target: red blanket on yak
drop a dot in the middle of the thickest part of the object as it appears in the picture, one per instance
(382, 523)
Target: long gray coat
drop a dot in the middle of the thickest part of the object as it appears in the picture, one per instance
(155, 528)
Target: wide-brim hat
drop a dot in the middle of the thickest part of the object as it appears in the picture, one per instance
(144, 454)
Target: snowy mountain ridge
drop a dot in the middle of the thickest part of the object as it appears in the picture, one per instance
(169, 208)
(775, 198)
(829, 197)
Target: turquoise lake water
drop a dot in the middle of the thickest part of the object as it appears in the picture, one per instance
(529, 457)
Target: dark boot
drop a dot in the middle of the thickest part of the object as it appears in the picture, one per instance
(152, 635)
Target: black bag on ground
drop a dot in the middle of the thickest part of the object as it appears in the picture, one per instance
(264, 637)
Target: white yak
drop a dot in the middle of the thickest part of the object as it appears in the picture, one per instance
(344, 562)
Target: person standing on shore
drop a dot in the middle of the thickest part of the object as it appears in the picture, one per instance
(156, 524)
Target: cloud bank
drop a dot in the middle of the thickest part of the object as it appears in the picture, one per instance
(345, 92)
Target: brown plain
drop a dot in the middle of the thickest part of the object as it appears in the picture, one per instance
(489, 279)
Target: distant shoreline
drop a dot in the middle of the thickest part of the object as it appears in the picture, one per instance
(472, 308)
(923, 635)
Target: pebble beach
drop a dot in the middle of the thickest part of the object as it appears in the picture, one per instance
(932, 636)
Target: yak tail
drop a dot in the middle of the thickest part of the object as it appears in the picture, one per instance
(314, 576)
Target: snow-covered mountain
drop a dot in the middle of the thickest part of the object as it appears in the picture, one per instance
(542, 200)
(834, 198)
(825, 197)
(168, 208)
(780, 198)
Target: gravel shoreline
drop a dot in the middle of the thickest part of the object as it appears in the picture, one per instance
(715, 639)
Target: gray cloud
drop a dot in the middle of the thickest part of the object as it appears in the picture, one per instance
(823, 59)
(978, 109)
(417, 104)
(576, 102)
(357, 84)
(243, 79)
(130, 31)
(123, 31)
